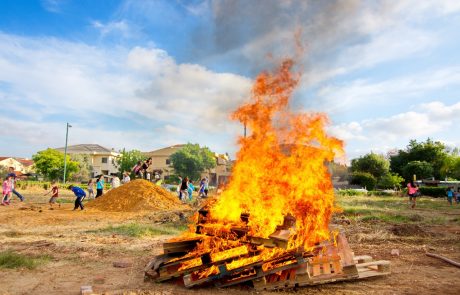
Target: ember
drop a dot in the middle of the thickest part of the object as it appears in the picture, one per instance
(270, 226)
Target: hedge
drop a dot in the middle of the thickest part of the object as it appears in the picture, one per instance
(437, 192)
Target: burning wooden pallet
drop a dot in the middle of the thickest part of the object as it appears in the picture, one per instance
(245, 260)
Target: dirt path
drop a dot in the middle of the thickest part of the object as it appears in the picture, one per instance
(83, 256)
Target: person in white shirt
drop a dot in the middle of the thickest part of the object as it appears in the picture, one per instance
(115, 181)
(126, 177)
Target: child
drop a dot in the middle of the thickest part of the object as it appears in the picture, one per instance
(90, 188)
(457, 200)
(6, 195)
(80, 194)
(412, 191)
(450, 195)
(54, 194)
(190, 190)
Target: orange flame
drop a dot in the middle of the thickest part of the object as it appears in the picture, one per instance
(280, 168)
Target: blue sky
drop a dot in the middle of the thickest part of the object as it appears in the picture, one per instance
(146, 74)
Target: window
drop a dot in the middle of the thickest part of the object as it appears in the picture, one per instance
(104, 160)
(168, 161)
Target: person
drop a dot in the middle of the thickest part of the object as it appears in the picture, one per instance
(126, 177)
(190, 190)
(137, 169)
(145, 166)
(13, 183)
(178, 188)
(90, 188)
(184, 189)
(412, 191)
(6, 193)
(450, 195)
(206, 186)
(115, 181)
(80, 194)
(99, 186)
(201, 193)
(54, 194)
(457, 198)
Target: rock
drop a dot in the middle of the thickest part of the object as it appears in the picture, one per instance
(86, 290)
(122, 264)
(394, 252)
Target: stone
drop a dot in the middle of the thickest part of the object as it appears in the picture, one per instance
(122, 264)
(394, 252)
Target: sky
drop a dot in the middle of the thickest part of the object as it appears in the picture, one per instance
(145, 74)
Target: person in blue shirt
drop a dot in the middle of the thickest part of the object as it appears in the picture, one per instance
(450, 195)
(80, 194)
(190, 190)
(100, 186)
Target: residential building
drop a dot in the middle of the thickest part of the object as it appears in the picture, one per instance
(102, 160)
(20, 165)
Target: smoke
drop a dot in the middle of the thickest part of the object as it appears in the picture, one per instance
(255, 34)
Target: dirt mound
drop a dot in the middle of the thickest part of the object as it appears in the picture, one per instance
(404, 230)
(137, 195)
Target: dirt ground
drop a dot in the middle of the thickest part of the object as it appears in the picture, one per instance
(83, 256)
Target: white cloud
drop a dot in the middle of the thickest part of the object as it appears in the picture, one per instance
(53, 5)
(115, 28)
(53, 79)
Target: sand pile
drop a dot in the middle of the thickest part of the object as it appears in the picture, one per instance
(137, 195)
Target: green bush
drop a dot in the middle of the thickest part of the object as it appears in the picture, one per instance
(363, 179)
(437, 192)
(45, 186)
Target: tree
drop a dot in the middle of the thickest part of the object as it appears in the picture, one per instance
(84, 167)
(371, 163)
(127, 159)
(421, 169)
(456, 169)
(192, 160)
(390, 180)
(50, 164)
(429, 151)
(363, 179)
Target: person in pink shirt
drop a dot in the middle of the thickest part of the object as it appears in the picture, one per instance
(412, 191)
(7, 189)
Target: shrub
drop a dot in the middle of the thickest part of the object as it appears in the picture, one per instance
(364, 179)
(45, 186)
(437, 192)
(380, 193)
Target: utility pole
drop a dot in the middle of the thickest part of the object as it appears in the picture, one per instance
(244, 129)
(65, 149)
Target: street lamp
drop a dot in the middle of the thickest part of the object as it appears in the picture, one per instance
(65, 149)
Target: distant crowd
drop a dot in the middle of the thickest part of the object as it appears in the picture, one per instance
(413, 192)
(95, 187)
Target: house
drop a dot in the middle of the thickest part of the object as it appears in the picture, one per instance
(161, 164)
(102, 159)
(20, 165)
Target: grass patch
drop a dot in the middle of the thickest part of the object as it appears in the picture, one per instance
(65, 201)
(10, 259)
(142, 230)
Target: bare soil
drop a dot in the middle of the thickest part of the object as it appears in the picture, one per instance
(84, 256)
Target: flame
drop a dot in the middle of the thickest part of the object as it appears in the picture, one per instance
(280, 167)
(280, 192)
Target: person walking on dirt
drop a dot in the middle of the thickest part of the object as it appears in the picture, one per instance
(80, 194)
(201, 193)
(99, 186)
(137, 170)
(54, 194)
(90, 188)
(184, 189)
(6, 194)
(12, 174)
(190, 190)
(412, 191)
(450, 195)
(145, 166)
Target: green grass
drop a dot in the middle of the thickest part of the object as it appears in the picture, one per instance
(10, 259)
(395, 209)
(143, 230)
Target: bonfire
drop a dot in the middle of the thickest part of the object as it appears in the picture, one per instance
(270, 226)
